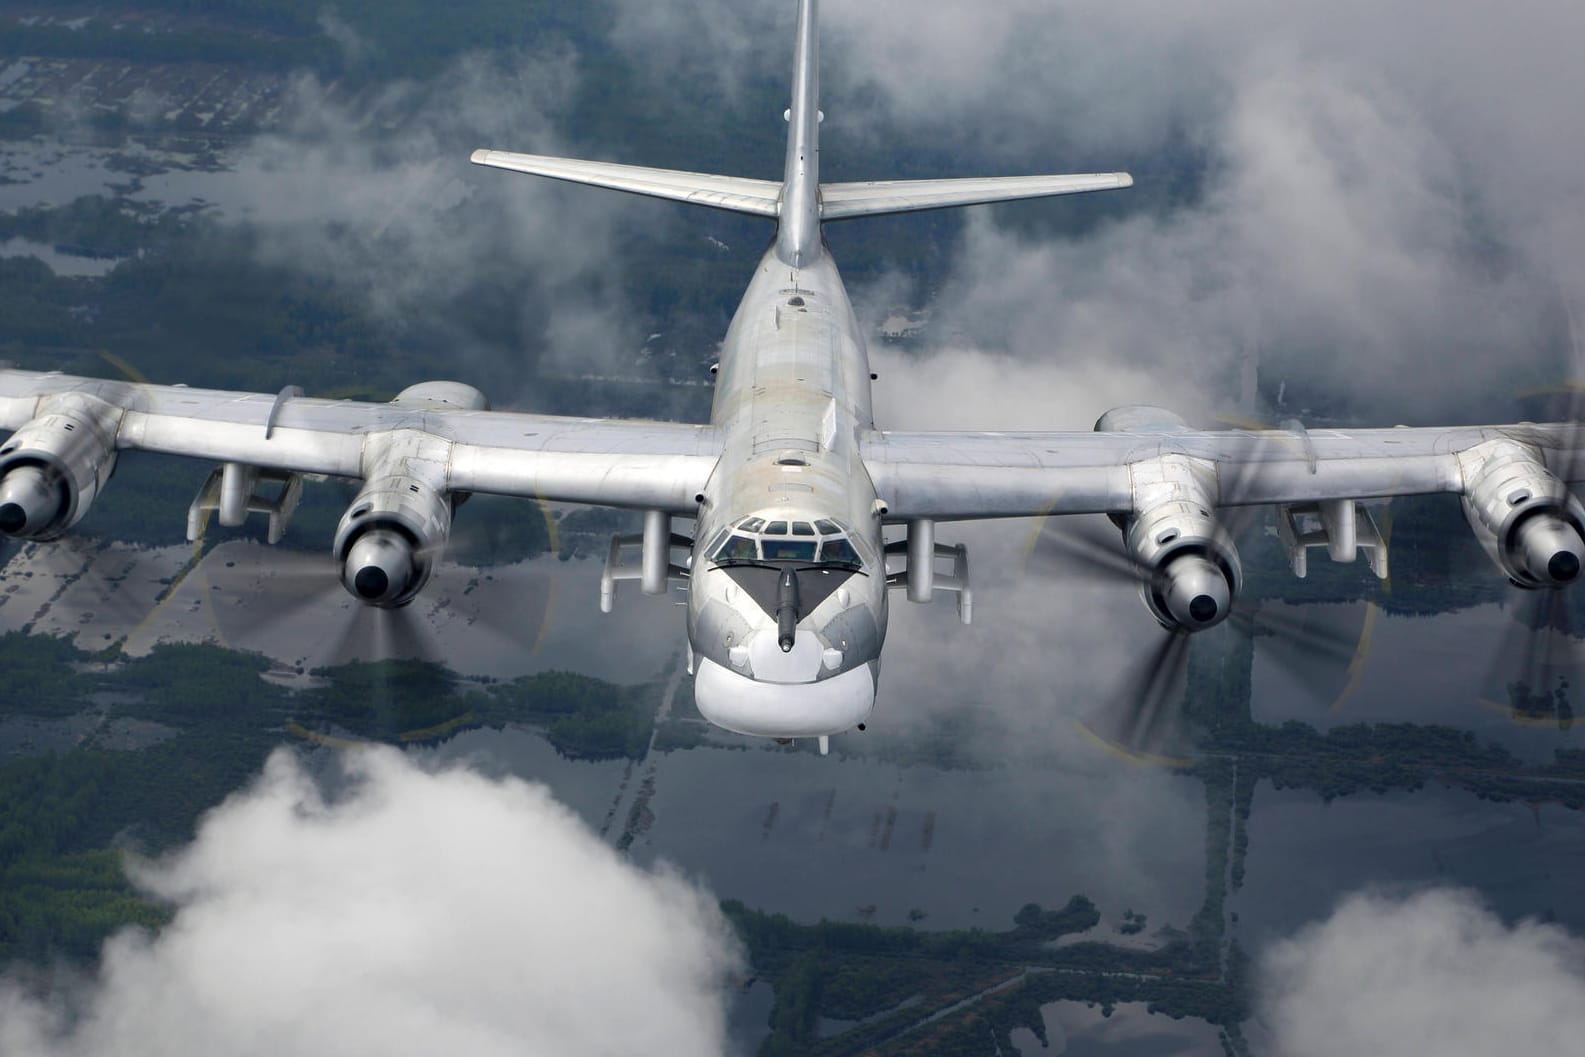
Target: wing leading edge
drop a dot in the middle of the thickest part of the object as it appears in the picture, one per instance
(837, 201)
(961, 476)
(625, 463)
(843, 201)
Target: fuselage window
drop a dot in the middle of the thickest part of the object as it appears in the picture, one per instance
(776, 528)
(753, 524)
(738, 548)
(838, 550)
(780, 550)
(828, 528)
(803, 528)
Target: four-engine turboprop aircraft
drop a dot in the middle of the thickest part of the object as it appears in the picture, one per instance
(791, 485)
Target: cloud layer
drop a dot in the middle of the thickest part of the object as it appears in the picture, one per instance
(411, 912)
(375, 196)
(1434, 972)
(1383, 205)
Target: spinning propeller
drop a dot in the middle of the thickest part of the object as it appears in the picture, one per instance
(1541, 656)
(1144, 716)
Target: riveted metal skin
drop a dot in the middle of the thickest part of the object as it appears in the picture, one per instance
(53, 467)
(1527, 520)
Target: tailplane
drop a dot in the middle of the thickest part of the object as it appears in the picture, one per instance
(736, 193)
(799, 202)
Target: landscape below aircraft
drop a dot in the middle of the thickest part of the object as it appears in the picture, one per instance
(791, 486)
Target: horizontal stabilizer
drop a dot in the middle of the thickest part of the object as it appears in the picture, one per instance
(841, 201)
(740, 195)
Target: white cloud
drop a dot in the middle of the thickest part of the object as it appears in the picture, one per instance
(1432, 973)
(411, 912)
(376, 195)
(1385, 204)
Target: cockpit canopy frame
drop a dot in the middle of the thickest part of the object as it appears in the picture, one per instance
(781, 537)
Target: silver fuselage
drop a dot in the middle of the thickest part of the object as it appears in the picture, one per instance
(792, 396)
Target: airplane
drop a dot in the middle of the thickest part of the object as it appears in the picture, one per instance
(791, 485)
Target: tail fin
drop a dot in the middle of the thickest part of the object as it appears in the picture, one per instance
(798, 235)
(799, 202)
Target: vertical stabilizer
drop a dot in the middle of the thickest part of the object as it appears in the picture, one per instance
(798, 236)
(799, 202)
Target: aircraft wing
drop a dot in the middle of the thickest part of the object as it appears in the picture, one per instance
(958, 476)
(613, 462)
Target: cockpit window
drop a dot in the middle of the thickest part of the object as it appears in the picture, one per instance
(754, 539)
(738, 548)
(789, 550)
(839, 550)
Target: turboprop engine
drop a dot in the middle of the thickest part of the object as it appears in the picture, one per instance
(388, 539)
(1525, 518)
(390, 536)
(52, 468)
(1187, 564)
(1189, 568)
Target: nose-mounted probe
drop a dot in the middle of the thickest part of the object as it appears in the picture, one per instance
(787, 610)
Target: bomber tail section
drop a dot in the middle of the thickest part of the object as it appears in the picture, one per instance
(798, 234)
(799, 202)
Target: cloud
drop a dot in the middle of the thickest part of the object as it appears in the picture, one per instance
(1330, 244)
(1385, 207)
(1434, 972)
(410, 911)
(375, 195)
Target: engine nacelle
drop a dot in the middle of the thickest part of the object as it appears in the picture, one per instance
(1188, 566)
(1526, 519)
(389, 538)
(1140, 418)
(1190, 572)
(52, 468)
